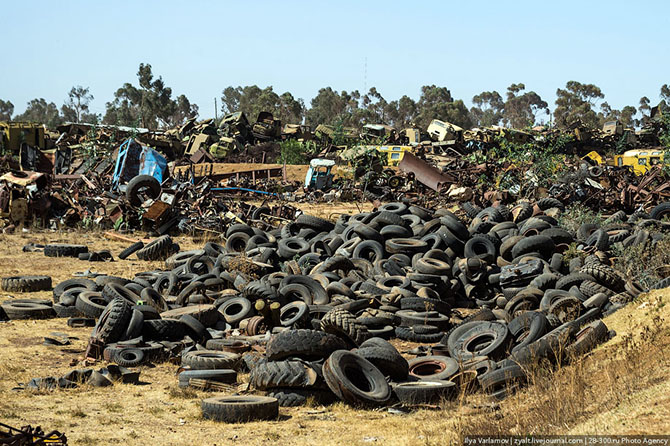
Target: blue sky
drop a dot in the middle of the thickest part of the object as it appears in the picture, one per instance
(201, 47)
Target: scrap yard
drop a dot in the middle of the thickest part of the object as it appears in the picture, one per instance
(342, 270)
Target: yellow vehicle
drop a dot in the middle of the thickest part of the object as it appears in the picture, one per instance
(595, 157)
(12, 134)
(444, 131)
(640, 160)
(394, 154)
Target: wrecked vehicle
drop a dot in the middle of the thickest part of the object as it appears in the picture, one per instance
(135, 159)
(444, 131)
(13, 134)
(235, 125)
(266, 127)
(19, 192)
(318, 175)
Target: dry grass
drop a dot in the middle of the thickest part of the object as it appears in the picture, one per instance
(620, 388)
(647, 265)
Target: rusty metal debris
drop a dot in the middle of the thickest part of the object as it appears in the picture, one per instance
(78, 174)
(28, 435)
(425, 173)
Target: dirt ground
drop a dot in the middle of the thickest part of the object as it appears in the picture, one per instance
(621, 388)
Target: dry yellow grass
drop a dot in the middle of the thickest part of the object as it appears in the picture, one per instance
(620, 388)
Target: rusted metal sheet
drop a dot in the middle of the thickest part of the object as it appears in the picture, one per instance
(424, 172)
(24, 178)
(157, 212)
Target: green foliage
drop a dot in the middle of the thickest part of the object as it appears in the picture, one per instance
(664, 137)
(251, 100)
(296, 152)
(543, 162)
(572, 253)
(76, 108)
(6, 110)
(576, 215)
(576, 102)
(151, 103)
(41, 111)
(560, 142)
(437, 103)
(90, 147)
(521, 108)
(330, 107)
(339, 135)
(488, 109)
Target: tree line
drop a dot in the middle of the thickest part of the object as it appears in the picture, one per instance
(150, 104)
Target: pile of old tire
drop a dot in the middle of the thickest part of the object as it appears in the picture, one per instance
(401, 271)
(481, 353)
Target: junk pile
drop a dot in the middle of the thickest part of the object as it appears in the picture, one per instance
(84, 175)
(307, 308)
(30, 436)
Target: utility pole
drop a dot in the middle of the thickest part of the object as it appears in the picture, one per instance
(216, 112)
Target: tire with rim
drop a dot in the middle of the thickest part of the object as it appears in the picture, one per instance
(587, 339)
(433, 367)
